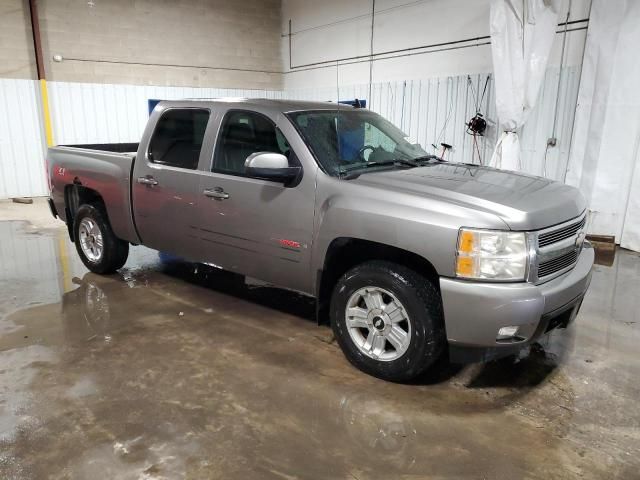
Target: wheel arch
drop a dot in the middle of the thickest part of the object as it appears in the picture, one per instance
(344, 253)
(75, 196)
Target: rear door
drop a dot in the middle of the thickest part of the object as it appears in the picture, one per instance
(256, 227)
(166, 180)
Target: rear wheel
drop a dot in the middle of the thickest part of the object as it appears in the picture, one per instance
(99, 249)
(388, 320)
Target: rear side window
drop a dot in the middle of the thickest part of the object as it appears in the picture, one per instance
(177, 139)
(242, 134)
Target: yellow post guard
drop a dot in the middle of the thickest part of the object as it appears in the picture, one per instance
(48, 130)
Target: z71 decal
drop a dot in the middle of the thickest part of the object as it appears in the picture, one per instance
(289, 243)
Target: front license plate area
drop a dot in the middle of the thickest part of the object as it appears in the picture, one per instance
(564, 317)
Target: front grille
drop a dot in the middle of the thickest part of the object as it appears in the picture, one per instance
(555, 265)
(548, 238)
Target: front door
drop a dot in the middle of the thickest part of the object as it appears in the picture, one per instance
(251, 226)
(166, 179)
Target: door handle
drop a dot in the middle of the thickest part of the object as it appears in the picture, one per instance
(217, 193)
(150, 181)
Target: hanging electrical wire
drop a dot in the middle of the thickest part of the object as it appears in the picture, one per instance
(446, 122)
(552, 141)
(477, 125)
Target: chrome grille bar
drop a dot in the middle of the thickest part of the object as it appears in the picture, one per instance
(557, 264)
(548, 238)
(557, 249)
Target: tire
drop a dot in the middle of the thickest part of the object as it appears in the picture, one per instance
(420, 317)
(113, 253)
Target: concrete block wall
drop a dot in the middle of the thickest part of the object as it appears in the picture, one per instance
(203, 43)
(16, 52)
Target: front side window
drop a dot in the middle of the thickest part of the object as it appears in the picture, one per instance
(177, 139)
(345, 140)
(242, 134)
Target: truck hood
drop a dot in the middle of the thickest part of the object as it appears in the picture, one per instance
(523, 202)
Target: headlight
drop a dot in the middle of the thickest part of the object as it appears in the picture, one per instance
(491, 255)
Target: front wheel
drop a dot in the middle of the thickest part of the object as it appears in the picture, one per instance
(99, 249)
(388, 320)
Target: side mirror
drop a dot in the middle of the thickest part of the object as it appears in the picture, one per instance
(270, 166)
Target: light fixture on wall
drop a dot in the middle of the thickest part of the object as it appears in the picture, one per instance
(91, 3)
(58, 58)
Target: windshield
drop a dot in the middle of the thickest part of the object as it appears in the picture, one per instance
(348, 140)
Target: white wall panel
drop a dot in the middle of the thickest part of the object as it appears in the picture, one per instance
(324, 31)
(22, 171)
(109, 113)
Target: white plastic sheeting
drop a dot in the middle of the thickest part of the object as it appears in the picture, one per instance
(605, 156)
(522, 33)
(22, 171)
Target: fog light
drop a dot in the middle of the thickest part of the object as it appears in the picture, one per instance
(507, 332)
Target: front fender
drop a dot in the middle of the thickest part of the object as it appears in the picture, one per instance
(424, 226)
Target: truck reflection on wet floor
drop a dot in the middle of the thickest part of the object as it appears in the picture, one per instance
(99, 306)
(234, 284)
(105, 314)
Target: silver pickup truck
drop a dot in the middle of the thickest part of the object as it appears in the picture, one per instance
(408, 256)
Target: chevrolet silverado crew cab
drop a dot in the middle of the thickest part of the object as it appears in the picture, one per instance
(408, 256)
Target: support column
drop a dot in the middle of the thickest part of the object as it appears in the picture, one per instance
(44, 94)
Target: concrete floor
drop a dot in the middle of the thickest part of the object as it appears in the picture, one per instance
(168, 370)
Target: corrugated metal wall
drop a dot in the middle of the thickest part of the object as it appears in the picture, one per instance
(434, 111)
(430, 111)
(105, 113)
(22, 171)
(81, 113)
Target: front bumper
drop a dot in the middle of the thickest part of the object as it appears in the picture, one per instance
(475, 311)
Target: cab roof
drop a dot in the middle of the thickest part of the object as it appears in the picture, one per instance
(282, 106)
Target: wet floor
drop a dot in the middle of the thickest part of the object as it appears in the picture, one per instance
(169, 370)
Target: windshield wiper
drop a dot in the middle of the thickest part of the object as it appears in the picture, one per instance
(426, 158)
(385, 163)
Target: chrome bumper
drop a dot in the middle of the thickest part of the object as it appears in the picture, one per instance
(475, 311)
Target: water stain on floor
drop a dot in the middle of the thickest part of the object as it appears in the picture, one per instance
(174, 370)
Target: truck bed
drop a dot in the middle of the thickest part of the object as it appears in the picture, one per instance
(104, 168)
